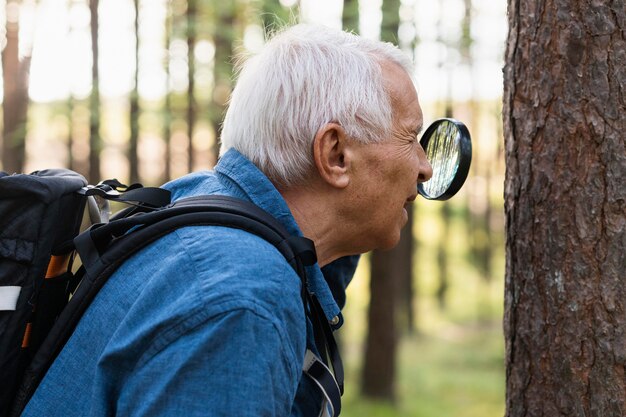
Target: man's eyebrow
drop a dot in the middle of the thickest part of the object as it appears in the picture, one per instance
(419, 129)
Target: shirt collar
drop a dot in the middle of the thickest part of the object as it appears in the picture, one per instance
(260, 190)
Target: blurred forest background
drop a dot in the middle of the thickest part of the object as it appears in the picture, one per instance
(431, 344)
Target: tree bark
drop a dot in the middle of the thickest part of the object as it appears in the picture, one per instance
(15, 101)
(565, 200)
(191, 73)
(95, 142)
(133, 157)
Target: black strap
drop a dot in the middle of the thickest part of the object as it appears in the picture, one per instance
(323, 378)
(325, 340)
(113, 190)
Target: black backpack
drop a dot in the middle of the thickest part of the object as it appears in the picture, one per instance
(41, 301)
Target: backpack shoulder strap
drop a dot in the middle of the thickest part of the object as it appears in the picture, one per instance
(110, 244)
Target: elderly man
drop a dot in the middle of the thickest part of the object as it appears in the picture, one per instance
(321, 132)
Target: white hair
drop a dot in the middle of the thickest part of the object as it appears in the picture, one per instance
(305, 77)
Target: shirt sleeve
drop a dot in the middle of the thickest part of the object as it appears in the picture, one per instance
(233, 364)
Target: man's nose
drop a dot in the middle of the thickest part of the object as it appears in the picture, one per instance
(425, 169)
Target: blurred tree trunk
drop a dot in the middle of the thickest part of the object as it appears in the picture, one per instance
(350, 16)
(133, 157)
(388, 270)
(223, 67)
(480, 210)
(391, 21)
(273, 16)
(442, 256)
(191, 73)
(478, 221)
(379, 367)
(71, 162)
(95, 142)
(565, 199)
(15, 71)
(167, 105)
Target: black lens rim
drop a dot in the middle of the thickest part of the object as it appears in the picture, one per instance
(464, 162)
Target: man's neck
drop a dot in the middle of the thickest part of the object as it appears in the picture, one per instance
(318, 221)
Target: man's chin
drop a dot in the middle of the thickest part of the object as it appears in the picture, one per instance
(390, 242)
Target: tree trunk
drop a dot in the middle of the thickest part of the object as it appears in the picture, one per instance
(133, 157)
(565, 199)
(442, 256)
(391, 21)
(191, 73)
(223, 67)
(350, 16)
(95, 142)
(15, 102)
(273, 16)
(387, 272)
(379, 368)
(167, 105)
(71, 162)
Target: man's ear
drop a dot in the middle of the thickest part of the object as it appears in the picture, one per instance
(331, 155)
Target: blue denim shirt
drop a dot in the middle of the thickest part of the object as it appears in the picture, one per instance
(206, 321)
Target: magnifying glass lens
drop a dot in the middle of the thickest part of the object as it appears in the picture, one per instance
(448, 147)
(444, 155)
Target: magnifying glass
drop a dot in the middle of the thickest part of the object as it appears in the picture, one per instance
(448, 147)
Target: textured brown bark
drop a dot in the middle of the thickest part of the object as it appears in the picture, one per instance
(95, 142)
(565, 202)
(133, 157)
(387, 272)
(191, 73)
(15, 101)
